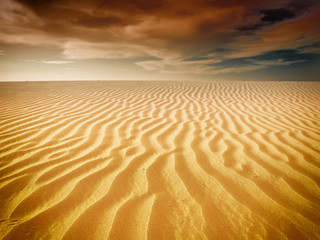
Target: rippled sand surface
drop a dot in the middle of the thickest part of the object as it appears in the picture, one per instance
(160, 160)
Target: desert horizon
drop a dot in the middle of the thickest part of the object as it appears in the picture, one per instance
(159, 160)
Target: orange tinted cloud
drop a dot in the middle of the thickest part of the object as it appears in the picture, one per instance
(168, 31)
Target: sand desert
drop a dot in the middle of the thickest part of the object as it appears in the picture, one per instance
(160, 160)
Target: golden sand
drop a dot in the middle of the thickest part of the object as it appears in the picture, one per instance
(159, 160)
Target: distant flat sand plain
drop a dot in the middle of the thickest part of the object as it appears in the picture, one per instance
(160, 160)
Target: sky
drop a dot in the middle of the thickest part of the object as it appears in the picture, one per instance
(159, 40)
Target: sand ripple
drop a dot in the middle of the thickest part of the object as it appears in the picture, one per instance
(160, 160)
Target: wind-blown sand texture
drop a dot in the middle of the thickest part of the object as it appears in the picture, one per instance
(160, 160)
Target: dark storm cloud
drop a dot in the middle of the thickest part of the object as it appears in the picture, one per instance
(141, 5)
(270, 16)
(276, 15)
(180, 20)
(57, 6)
(37, 5)
(305, 4)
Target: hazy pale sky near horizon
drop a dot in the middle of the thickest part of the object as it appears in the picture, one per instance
(159, 39)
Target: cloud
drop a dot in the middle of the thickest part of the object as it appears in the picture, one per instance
(268, 17)
(174, 64)
(312, 48)
(237, 69)
(276, 15)
(85, 50)
(37, 4)
(56, 62)
(99, 22)
(186, 27)
(284, 36)
(174, 37)
(203, 65)
(206, 67)
(277, 62)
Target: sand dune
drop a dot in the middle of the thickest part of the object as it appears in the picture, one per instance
(160, 160)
